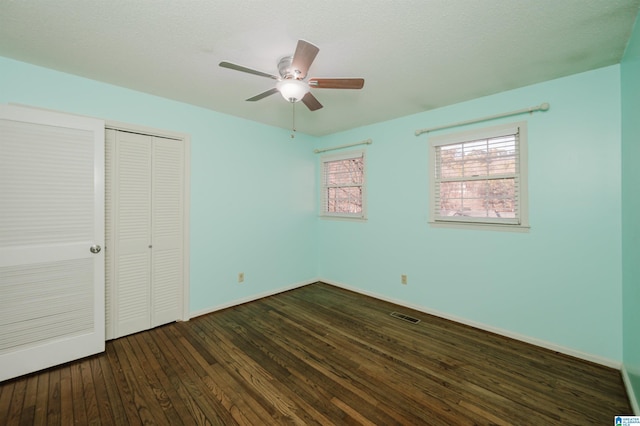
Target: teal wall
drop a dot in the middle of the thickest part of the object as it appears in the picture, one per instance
(630, 80)
(559, 283)
(253, 208)
(252, 186)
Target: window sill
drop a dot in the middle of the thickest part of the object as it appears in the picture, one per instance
(344, 218)
(481, 226)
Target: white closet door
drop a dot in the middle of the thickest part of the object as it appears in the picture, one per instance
(51, 214)
(167, 230)
(109, 149)
(145, 196)
(132, 230)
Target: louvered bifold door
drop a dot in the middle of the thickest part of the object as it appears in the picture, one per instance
(132, 233)
(145, 205)
(51, 235)
(167, 230)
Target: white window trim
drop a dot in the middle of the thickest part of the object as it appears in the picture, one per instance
(474, 134)
(362, 216)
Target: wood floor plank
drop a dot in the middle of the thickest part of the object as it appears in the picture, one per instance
(321, 355)
(29, 403)
(17, 399)
(388, 399)
(148, 408)
(254, 381)
(154, 389)
(221, 385)
(497, 369)
(218, 382)
(78, 401)
(111, 399)
(351, 412)
(302, 382)
(305, 404)
(53, 395)
(103, 399)
(114, 352)
(173, 407)
(257, 402)
(89, 384)
(342, 370)
(6, 396)
(187, 379)
(66, 395)
(41, 403)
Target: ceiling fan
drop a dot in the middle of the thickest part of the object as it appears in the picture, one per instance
(292, 83)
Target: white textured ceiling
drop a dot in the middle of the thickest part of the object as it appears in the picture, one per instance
(414, 55)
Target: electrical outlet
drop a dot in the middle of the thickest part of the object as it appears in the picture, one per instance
(403, 279)
(241, 277)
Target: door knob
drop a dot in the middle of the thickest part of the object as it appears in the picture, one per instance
(95, 249)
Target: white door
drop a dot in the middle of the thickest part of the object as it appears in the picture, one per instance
(51, 235)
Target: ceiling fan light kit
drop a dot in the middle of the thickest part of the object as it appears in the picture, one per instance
(292, 83)
(292, 90)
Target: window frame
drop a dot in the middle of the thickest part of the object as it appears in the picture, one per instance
(362, 215)
(521, 178)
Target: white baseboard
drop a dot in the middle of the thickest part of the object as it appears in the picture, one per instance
(527, 339)
(630, 393)
(250, 298)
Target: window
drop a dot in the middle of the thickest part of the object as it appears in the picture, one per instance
(480, 177)
(343, 185)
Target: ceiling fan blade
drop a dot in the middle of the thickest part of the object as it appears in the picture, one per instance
(337, 83)
(303, 57)
(236, 67)
(311, 102)
(263, 95)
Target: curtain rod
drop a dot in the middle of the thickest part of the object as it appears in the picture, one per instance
(542, 107)
(364, 142)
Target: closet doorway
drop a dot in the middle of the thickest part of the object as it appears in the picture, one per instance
(146, 228)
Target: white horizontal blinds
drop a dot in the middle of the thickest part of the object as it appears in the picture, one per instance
(343, 185)
(478, 180)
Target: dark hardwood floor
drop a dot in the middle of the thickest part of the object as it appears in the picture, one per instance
(317, 355)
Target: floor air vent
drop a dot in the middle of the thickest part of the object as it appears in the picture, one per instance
(404, 317)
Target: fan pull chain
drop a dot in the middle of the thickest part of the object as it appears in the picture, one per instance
(293, 125)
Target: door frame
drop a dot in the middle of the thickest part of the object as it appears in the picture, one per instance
(186, 140)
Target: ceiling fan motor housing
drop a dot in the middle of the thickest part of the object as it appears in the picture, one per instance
(286, 70)
(291, 87)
